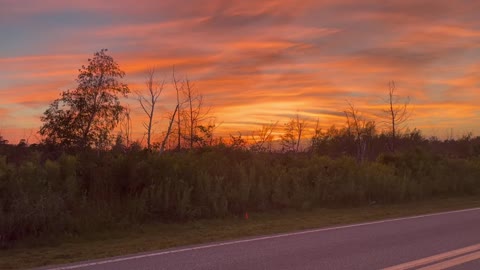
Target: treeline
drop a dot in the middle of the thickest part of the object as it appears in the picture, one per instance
(337, 142)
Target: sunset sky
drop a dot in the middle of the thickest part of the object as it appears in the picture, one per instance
(254, 61)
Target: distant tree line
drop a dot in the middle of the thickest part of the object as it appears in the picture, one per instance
(92, 116)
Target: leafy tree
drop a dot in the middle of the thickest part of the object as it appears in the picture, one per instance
(86, 115)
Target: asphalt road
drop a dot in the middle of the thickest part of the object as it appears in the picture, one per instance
(429, 242)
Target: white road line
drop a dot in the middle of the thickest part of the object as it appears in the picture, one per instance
(87, 264)
(453, 262)
(434, 258)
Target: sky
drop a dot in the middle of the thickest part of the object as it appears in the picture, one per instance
(255, 62)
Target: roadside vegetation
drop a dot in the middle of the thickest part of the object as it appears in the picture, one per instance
(134, 238)
(44, 191)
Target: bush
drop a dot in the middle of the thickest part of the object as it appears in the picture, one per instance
(91, 190)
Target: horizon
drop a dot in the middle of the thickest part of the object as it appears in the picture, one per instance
(255, 62)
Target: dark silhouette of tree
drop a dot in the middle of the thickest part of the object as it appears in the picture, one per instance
(149, 100)
(86, 115)
(263, 137)
(162, 148)
(294, 129)
(205, 136)
(194, 115)
(191, 113)
(178, 88)
(361, 129)
(237, 142)
(396, 114)
(126, 126)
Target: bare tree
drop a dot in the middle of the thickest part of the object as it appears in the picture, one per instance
(191, 113)
(178, 88)
(263, 136)
(237, 142)
(300, 126)
(162, 148)
(195, 114)
(293, 134)
(396, 114)
(205, 136)
(149, 100)
(360, 128)
(317, 136)
(126, 126)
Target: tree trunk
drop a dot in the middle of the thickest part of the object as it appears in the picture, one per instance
(92, 117)
(162, 148)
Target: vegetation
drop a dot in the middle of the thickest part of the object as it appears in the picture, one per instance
(46, 191)
(85, 116)
(75, 181)
(134, 238)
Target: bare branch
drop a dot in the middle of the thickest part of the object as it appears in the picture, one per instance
(396, 114)
(149, 100)
(264, 136)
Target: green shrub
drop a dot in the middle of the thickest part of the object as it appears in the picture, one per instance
(97, 190)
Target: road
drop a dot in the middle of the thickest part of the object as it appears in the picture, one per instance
(437, 241)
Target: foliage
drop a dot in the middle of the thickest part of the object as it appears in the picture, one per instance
(86, 115)
(47, 192)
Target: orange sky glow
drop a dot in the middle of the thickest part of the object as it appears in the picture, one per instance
(255, 62)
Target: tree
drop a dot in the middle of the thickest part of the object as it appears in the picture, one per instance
(148, 101)
(178, 88)
(194, 115)
(162, 148)
(316, 140)
(396, 114)
(86, 115)
(360, 129)
(191, 113)
(237, 142)
(262, 137)
(205, 137)
(293, 134)
(126, 126)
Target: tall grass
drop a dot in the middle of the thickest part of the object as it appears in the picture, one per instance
(40, 194)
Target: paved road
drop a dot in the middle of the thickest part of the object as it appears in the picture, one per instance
(425, 242)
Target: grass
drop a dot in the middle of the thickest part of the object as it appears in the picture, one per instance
(148, 237)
